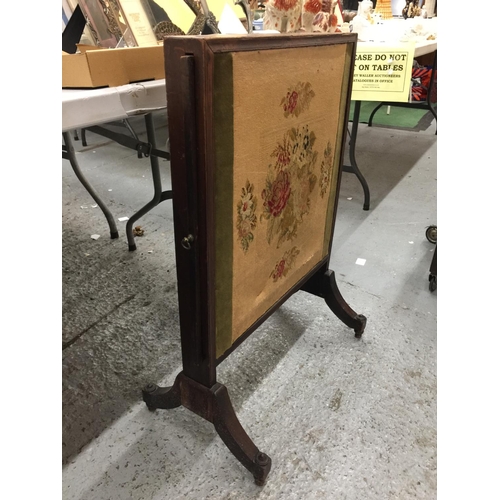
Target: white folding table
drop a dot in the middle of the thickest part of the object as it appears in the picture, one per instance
(91, 108)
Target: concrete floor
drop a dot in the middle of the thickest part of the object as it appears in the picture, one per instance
(341, 418)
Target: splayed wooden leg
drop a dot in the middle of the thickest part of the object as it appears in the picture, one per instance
(213, 404)
(236, 439)
(324, 284)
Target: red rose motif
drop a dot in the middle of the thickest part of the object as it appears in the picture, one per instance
(282, 154)
(291, 101)
(283, 159)
(276, 199)
(280, 268)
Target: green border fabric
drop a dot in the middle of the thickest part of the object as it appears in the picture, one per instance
(338, 162)
(224, 154)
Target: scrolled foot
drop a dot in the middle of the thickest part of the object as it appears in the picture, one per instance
(149, 389)
(358, 330)
(161, 397)
(263, 464)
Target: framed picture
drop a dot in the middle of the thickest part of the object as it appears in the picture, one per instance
(140, 20)
(257, 130)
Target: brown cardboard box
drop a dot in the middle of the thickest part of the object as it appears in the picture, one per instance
(96, 67)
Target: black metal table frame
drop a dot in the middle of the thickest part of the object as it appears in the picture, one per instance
(147, 149)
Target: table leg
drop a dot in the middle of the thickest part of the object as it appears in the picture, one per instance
(433, 272)
(353, 167)
(370, 120)
(84, 138)
(69, 154)
(157, 197)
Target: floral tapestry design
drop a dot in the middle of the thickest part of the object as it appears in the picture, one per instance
(246, 220)
(326, 169)
(284, 264)
(289, 184)
(297, 99)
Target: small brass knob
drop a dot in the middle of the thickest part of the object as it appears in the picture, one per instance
(186, 241)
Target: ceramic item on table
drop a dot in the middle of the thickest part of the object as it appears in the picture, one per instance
(384, 8)
(363, 20)
(283, 15)
(319, 15)
(411, 9)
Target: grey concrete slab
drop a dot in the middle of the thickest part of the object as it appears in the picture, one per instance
(341, 418)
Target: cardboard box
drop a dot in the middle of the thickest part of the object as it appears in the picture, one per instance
(96, 67)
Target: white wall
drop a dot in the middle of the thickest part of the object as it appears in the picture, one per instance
(397, 6)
